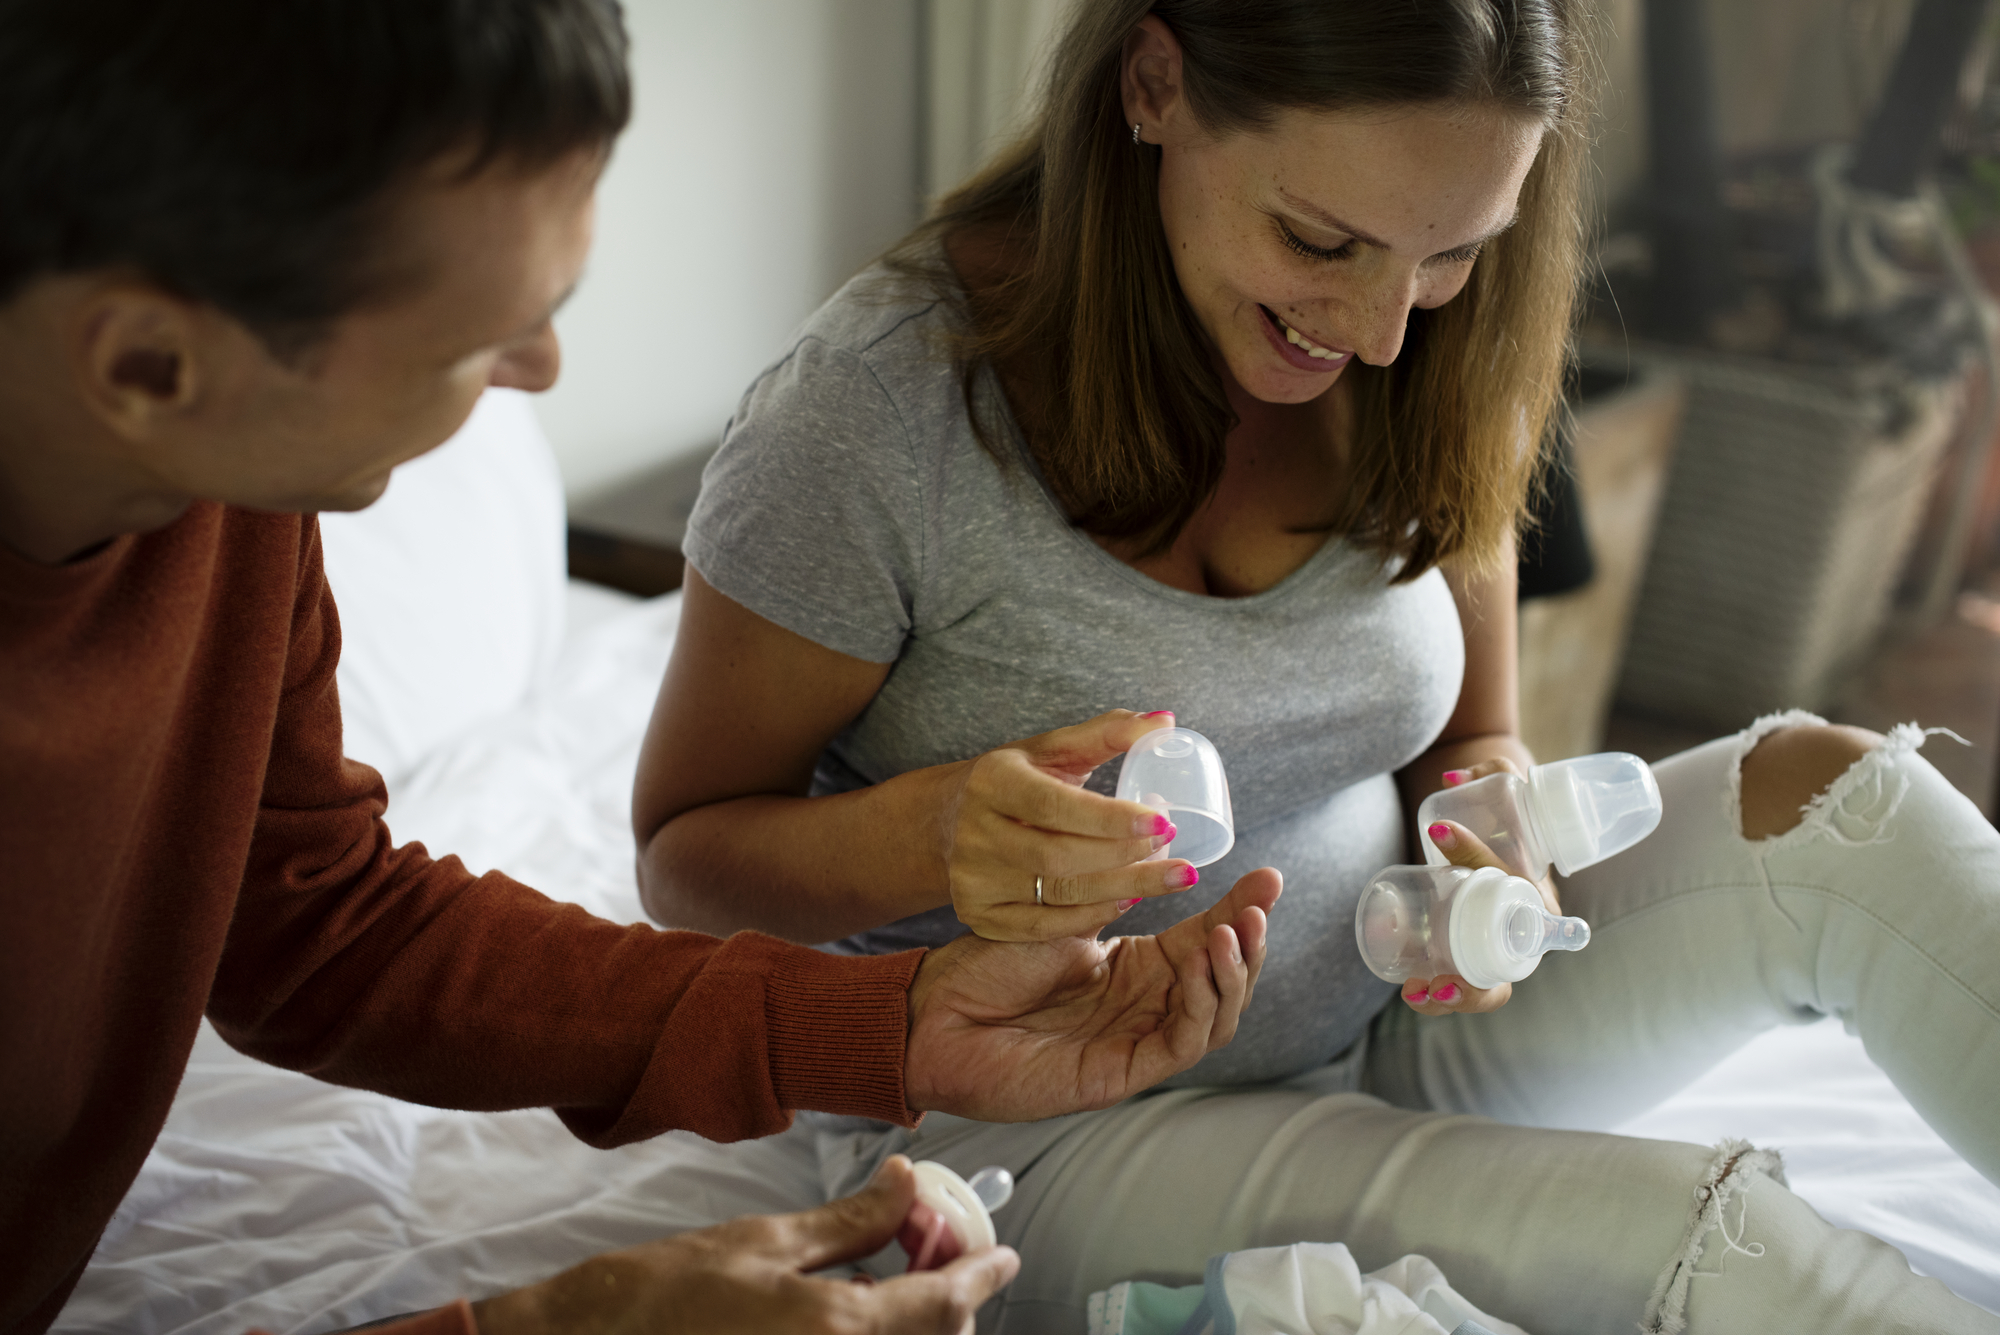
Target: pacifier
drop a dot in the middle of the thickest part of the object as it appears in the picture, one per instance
(952, 1216)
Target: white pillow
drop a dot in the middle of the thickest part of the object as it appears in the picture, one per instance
(450, 587)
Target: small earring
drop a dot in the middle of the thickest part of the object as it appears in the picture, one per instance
(1135, 132)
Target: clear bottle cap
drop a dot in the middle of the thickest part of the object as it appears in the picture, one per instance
(1178, 772)
(1590, 807)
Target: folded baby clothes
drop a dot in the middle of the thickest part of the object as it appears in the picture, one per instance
(1308, 1288)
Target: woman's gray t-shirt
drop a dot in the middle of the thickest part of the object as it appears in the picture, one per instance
(852, 503)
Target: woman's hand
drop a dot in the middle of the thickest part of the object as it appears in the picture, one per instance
(1020, 812)
(729, 839)
(1018, 1032)
(1448, 993)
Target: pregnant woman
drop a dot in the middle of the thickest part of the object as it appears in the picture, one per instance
(1214, 395)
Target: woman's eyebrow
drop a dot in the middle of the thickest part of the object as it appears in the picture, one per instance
(1321, 216)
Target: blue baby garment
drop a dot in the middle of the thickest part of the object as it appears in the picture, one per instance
(1308, 1288)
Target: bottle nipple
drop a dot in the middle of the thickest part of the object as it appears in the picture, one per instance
(1533, 932)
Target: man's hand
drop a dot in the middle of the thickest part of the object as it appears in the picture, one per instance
(753, 1275)
(1013, 1032)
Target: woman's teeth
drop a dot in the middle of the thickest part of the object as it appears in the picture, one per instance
(1312, 349)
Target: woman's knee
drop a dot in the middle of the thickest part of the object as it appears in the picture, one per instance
(1788, 768)
(1771, 1262)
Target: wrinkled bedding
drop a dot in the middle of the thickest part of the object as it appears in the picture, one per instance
(275, 1200)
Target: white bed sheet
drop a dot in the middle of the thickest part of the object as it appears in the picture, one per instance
(274, 1200)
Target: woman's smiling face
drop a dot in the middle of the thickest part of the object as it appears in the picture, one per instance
(1306, 243)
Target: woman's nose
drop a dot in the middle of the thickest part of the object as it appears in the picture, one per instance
(532, 365)
(1380, 319)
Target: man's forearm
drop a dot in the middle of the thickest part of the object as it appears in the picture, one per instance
(481, 994)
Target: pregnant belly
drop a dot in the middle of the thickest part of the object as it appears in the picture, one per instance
(1314, 997)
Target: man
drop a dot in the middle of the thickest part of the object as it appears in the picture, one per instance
(253, 255)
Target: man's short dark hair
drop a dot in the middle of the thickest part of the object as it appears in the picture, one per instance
(242, 152)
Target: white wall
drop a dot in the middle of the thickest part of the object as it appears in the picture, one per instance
(772, 152)
(984, 64)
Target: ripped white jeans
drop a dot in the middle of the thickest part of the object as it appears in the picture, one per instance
(1882, 907)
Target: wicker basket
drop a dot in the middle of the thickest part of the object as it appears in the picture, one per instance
(1794, 497)
(1571, 643)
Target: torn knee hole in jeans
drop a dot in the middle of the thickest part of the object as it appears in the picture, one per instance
(1727, 1177)
(1855, 809)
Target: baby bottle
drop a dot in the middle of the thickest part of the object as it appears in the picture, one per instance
(1570, 812)
(1485, 926)
(952, 1216)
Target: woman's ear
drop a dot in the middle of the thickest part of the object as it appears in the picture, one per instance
(1151, 83)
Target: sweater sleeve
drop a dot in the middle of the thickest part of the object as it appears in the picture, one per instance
(456, 1319)
(383, 968)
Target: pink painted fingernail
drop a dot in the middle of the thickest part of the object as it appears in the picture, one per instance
(1127, 906)
(1447, 994)
(1440, 834)
(1417, 998)
(1155, 826)
(1180, 878)
(1159, 713)
(1454, 777)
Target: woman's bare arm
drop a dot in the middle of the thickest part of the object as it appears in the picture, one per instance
(1486, 723)
(720, 806)
(1481, 737)
(729, 840)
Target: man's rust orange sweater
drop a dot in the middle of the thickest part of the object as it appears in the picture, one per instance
(179, 834)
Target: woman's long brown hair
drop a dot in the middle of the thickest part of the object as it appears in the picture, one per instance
(1130, 410)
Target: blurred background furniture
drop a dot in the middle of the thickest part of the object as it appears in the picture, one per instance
(629, 538)
(1622, 439)
(1795, 496)
(1821, 310)
(1787, 245)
